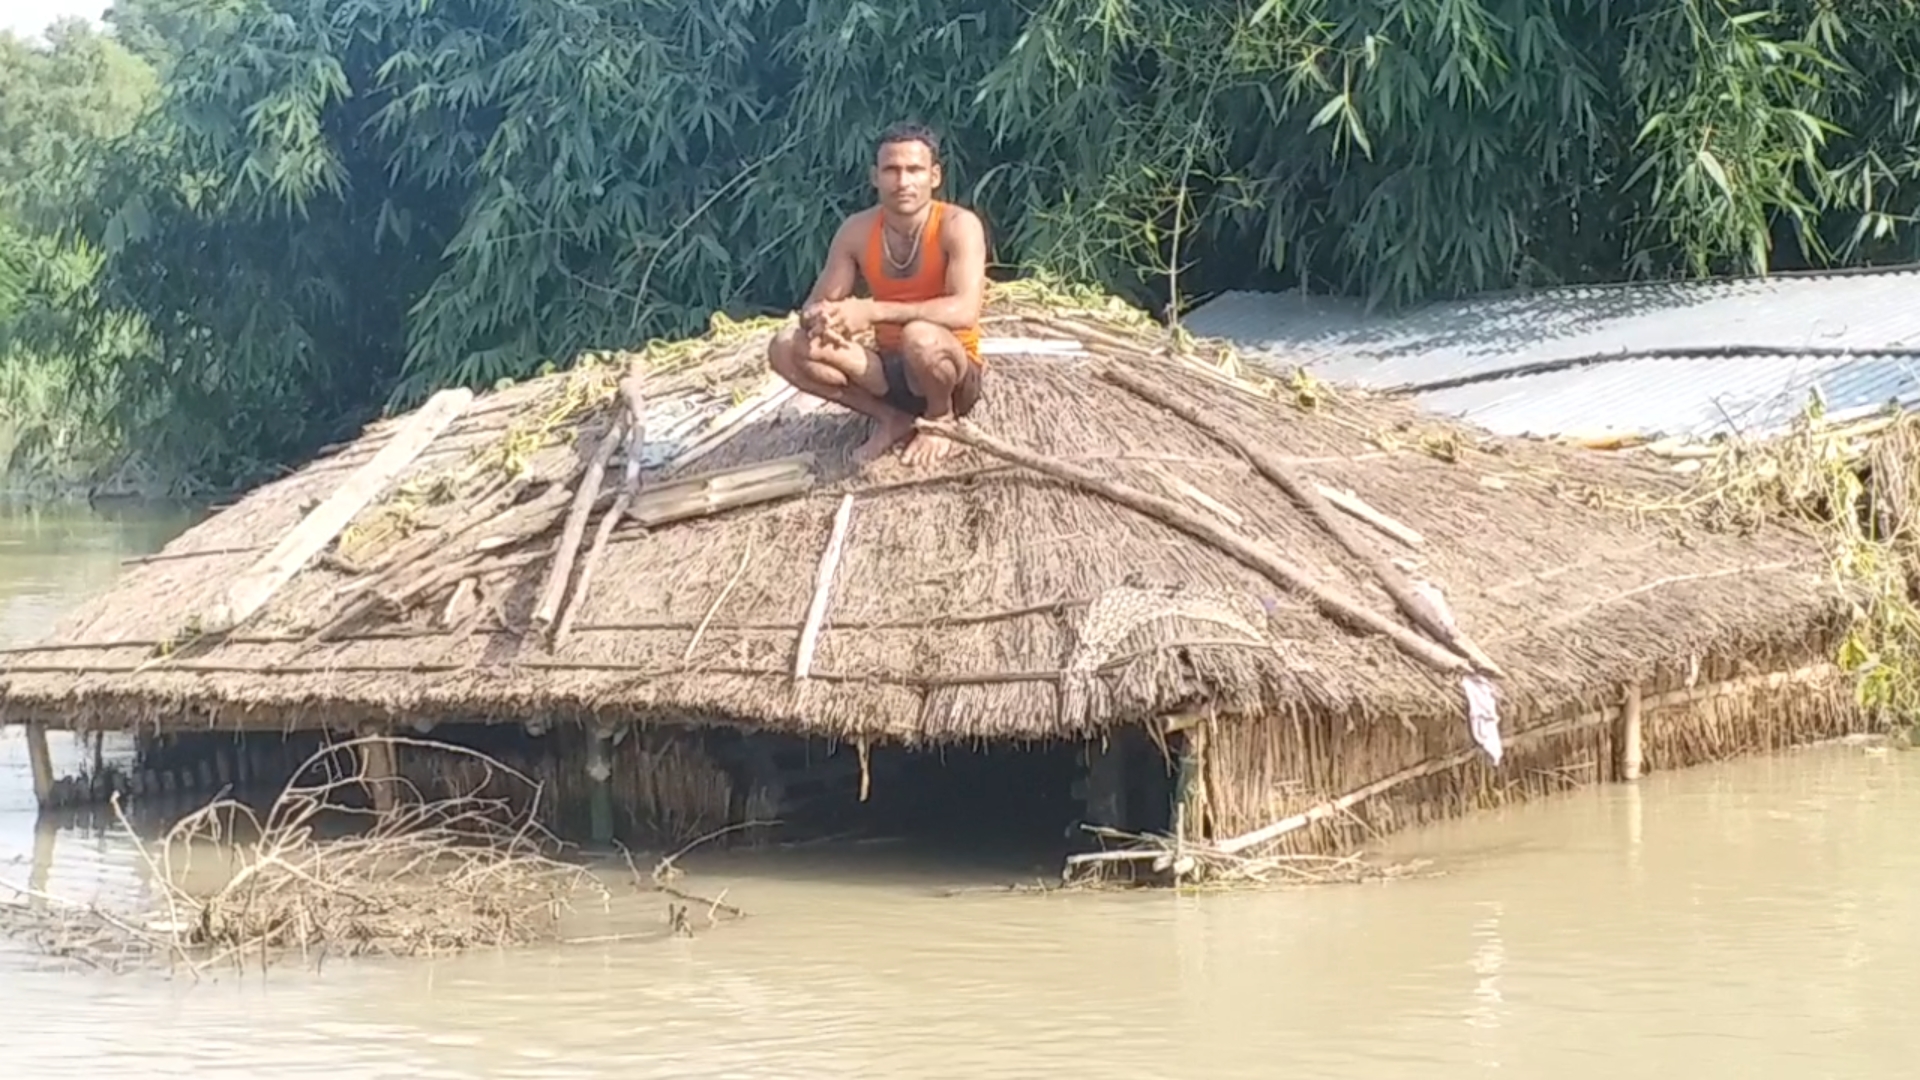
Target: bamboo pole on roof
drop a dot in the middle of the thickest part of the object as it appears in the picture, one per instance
(255, 586)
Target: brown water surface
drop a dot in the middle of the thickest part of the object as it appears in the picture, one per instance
(1756, 920)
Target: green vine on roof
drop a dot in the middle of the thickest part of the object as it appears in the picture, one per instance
(1857, 484)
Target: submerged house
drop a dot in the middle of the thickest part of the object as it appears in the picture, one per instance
(1263, 612)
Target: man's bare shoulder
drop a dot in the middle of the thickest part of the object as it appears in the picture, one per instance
(859, 221)
(853, 229)
(965, 218)
(961, 226)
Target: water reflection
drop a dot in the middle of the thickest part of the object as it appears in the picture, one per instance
(1745, 921)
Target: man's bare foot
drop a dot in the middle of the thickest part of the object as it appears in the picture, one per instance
(927, 448)
(886, 433)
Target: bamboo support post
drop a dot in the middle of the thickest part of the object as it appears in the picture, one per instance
(46, 840)
(561, 573)
(822, 589)
(379, 770)
(249, 592)
(634, 407)
(1191, 800)
(1415, 607)
(223, 767)
(1105, 801)
(1631, 759)
(1330, 600)
(40, 763)
(600, 785)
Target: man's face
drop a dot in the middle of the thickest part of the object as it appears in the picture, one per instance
(906, 175)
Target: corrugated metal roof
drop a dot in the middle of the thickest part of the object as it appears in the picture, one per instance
(1752, 395)
(1801, 330)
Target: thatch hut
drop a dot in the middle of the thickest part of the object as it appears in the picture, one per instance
(1294, 592)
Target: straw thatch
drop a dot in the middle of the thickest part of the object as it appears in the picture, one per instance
(975, 600)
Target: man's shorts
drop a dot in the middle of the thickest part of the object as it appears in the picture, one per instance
(900, 395)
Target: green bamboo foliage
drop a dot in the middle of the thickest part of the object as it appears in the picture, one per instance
(58, 103)
(346, 203)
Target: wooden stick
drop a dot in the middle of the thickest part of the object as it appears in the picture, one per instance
(1607, 440)
(1630, 743)
(954, 619)
(1352, 504)
(379, 770)
(256, 585)
(1415, 607)
(514, 525)
(822, 589)
(460, 603)
(1335, 603)
(595, 553)
(397, 586)
(564, 555)
(201, 553)
(40, 764)
(633, 397)
(725, 591)
(678, 500)
(735, 421)
(494, 502)
(639, 671)
(1221, 510)
(1088, 334)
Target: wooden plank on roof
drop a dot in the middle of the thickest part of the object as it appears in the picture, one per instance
(256, 585)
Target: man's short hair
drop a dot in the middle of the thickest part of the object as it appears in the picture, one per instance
(908, 131)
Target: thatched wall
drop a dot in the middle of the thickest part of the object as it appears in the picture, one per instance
(1259, 773)
(965, 593)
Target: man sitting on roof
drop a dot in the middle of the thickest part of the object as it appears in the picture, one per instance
(924, 263)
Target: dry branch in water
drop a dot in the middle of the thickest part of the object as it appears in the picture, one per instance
(69, 930)
(428, 877)
(664, 872)
(1205, 864)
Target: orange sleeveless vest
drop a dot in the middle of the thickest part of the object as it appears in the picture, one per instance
(929, 281)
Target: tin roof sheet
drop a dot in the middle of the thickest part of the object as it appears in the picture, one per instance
(1760, 348)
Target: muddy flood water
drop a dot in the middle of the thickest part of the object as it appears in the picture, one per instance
(1755, 920)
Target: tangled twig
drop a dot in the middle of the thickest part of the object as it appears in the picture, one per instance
(665, 871)
(1201, 863)
(424, 877)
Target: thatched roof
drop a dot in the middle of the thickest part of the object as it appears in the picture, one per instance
(963, 591)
